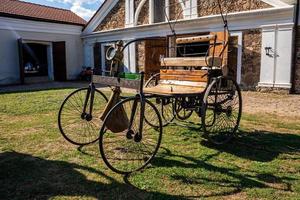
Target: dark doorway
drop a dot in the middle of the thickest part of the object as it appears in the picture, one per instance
(35, 61)
(59, 61)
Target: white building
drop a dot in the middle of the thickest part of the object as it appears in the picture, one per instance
(38, 43)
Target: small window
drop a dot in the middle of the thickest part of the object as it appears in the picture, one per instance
(159, 11)
(193, 50)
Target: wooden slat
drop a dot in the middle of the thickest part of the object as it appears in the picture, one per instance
(184, 75)
(165, 89)
(191, 62)
(202, 38)
(183, 72)
(119, 82)
(183, 78)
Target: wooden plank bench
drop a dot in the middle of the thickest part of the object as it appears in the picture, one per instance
(176, 82)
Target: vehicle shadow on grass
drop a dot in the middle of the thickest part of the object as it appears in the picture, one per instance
(226, 178)
(23, 176)
(262, 146)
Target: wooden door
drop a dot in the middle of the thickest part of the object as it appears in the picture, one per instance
(59, 61)
(21, 62)
(154, 49)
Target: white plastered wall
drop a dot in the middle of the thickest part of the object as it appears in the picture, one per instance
(13, 29)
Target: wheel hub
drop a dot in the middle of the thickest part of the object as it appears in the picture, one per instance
(138, 137)
(229, 111)
(129, 134)
(88, 117)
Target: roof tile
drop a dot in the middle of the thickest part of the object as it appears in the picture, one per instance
(20, 9)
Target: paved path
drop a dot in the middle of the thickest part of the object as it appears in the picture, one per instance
(270, 103)
(42, 86)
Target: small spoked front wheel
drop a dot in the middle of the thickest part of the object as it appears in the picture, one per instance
(165, 105)
(134, 144)
(221, 110)
(79, 116)
(181, 112)
(166, 109)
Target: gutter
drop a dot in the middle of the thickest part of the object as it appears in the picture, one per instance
(293, 75)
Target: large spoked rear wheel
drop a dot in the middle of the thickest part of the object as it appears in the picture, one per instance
(130, 148)
(79, 127)
(221, 110)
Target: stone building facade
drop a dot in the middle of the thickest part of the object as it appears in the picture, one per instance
(297, 63)
(255, 26)
(251, 58)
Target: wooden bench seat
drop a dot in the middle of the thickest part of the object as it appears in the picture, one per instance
(175, 82)
(191, 62)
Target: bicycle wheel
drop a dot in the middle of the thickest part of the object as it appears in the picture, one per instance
(131, 149)
(79, 127)
(221, 110)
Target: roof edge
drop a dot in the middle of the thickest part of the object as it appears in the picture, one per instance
(86, 25)
(39, 19)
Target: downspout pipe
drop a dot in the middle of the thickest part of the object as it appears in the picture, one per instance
(293, 75)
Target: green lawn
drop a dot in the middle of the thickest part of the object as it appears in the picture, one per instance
(263, 162)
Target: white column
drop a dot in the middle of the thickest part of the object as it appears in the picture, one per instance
(129, 13)
(151, 11)
(88, 54)
(167, 5)
(283, 67)
(239, 55)
(267, 58)
(190, 9)
(129, 58)
(194, 8)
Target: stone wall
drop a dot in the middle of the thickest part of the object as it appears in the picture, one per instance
(175, 10)
(251, 58)
(211, 7)
(115, 19)
(296, 80)
(144, 14)
(140, 56)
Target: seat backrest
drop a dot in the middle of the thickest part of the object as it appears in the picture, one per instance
(190, 69)
(188, 77)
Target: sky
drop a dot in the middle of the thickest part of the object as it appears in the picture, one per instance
(83, 8)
